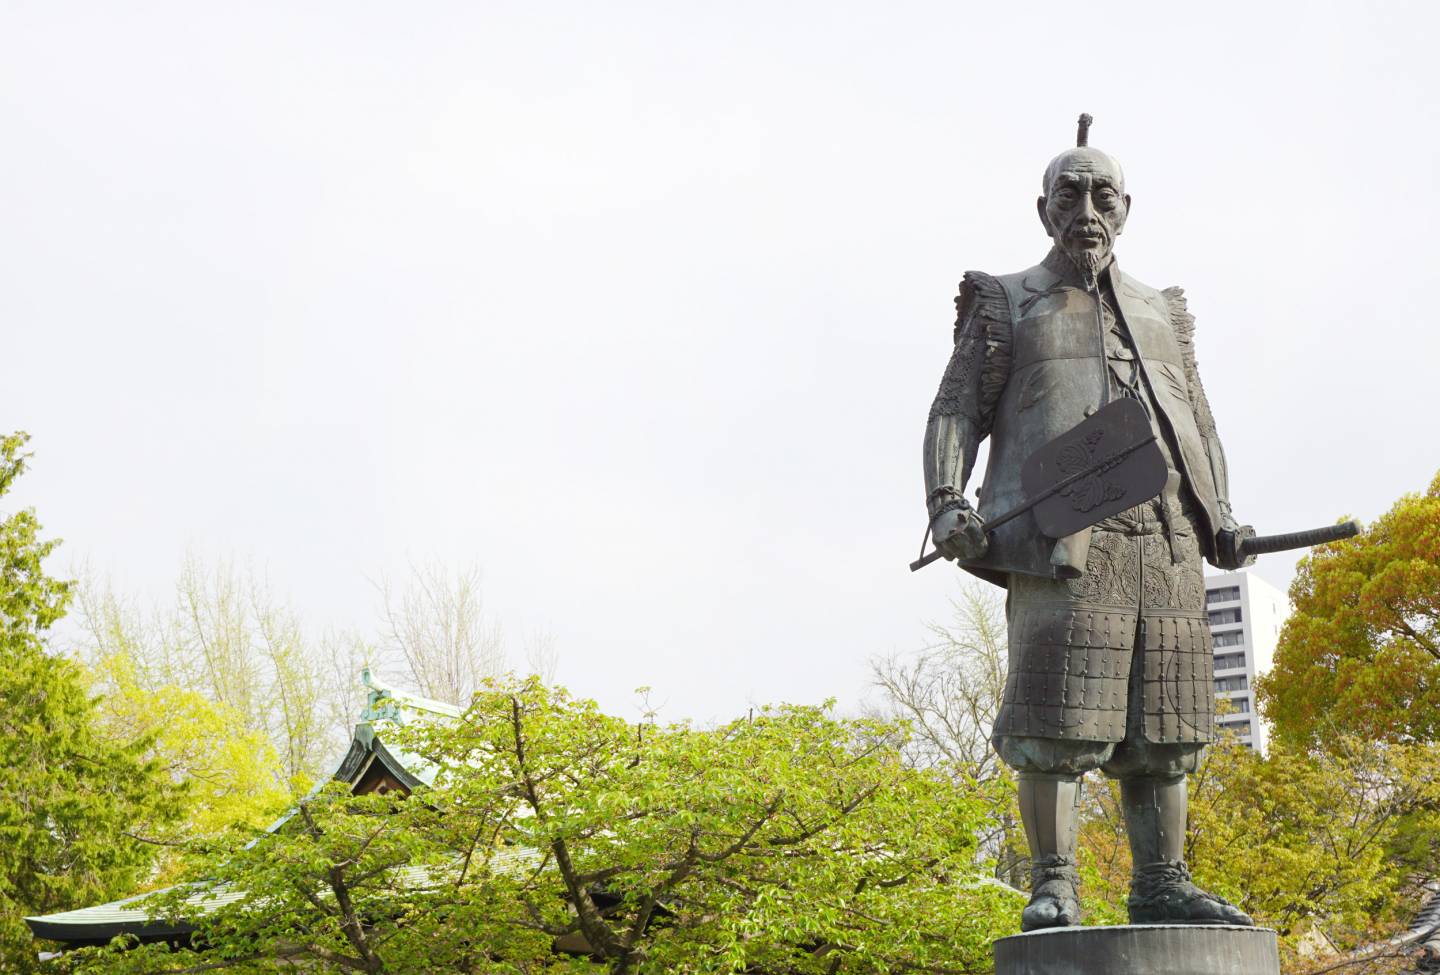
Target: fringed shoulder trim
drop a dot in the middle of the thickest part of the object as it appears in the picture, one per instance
(1184, 324)
(1180, 318)
(990, 324)
(980, 363)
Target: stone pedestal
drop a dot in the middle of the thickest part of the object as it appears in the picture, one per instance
(1140, 949)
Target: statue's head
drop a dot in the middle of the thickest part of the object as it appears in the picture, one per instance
(1084, 206)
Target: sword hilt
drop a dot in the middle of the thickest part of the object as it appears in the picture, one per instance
(1266, 544)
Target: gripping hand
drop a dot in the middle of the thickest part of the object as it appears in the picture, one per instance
(1227, 547)
(958, 531)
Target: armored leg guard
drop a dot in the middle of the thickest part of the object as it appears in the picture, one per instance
(1161, 891)
(1048, 807)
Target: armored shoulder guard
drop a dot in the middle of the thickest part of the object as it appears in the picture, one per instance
(980, 364)
(1184, 324)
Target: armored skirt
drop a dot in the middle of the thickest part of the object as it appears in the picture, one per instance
(1115, 669)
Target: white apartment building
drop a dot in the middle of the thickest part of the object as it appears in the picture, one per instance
(1246, 613)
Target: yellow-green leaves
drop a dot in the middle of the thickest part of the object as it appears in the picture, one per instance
(231, 773)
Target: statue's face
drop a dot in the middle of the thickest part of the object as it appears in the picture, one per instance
(1085, 206)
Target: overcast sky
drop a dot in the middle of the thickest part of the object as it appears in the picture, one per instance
(641, 307)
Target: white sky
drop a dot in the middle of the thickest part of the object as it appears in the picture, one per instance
(641, 306)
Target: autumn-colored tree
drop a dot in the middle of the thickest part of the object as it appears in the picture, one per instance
(1360, 654)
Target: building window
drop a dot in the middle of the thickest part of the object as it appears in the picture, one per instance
(1229, 661)
(1232, 684)
(1229, 639)
(1227, 594)
(1219, 617)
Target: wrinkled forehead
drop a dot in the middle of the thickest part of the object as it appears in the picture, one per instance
(1084, 162)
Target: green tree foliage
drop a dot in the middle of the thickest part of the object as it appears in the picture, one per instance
(349, 884)
(69, 796)
(1361, 653)
(789, 842)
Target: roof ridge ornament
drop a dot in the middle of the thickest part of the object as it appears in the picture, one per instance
(380, 703)
(384, 703)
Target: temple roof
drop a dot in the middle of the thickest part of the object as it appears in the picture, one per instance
(98, 924)
(369, 765)
(1424, 931)
(1419, 943)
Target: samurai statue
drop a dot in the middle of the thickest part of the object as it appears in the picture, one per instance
(1110, 654)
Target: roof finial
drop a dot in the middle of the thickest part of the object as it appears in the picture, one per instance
(1082, 133)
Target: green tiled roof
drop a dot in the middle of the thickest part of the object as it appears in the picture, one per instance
(104, 921)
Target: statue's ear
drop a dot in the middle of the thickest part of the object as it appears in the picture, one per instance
(1044, 221)
(1127, 215)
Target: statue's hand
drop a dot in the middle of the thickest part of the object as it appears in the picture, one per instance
(1227, 547)
(959, 533)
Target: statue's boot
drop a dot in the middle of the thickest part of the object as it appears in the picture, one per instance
(1048, 807)
(1161, 891)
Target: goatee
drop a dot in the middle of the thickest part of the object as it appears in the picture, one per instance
(1090, 263)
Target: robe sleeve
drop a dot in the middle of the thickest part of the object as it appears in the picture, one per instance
(963, 411)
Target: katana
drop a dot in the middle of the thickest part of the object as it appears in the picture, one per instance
(1248, 545)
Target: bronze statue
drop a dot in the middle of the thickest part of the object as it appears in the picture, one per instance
(1111, 663)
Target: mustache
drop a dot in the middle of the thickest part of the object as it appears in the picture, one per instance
(1088, 231)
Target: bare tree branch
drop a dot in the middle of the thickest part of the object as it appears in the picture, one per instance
(437, 625)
